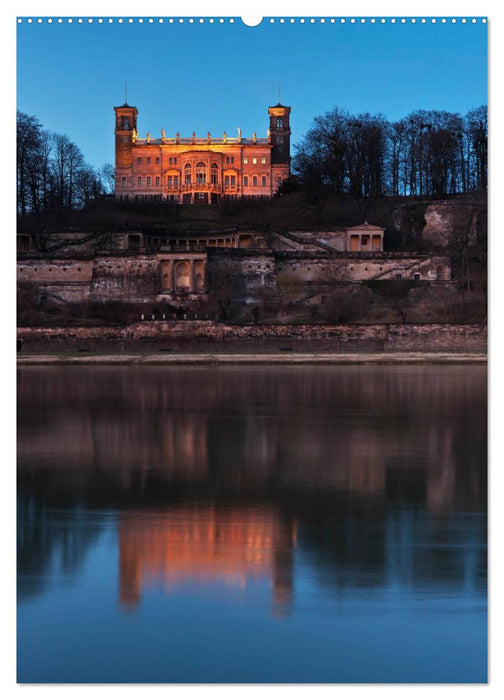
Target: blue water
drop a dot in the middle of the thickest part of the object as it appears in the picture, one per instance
(252, 525)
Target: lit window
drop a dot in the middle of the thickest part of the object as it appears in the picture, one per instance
(245, 181)
(254, 181)
(263, 181)
(200, 173)
(280, 139)
(245, 160)
(263, 161)
(254, 161)
(279, 123)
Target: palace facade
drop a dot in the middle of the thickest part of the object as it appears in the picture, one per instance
(200, 170)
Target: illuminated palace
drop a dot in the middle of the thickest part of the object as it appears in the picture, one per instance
(200, 170)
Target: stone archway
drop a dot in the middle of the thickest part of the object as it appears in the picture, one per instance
(166, 276)
(166, 282)
(199, 276)
(183, 277)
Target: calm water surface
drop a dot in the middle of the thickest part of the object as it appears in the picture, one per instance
(252, 524)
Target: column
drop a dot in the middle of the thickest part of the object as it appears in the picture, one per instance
(173, 273)
(192, 276)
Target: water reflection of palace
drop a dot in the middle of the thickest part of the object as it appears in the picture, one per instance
(372, 433)
(345, 453)
(206, 544)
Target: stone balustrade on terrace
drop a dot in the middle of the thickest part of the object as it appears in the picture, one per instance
(174, 141)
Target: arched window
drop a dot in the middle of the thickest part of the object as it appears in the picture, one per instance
(182, 277)
(214, 174)
(200, 173)
(187, 173)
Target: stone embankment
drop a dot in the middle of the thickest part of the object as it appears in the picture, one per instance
(204, 336)
(383, 358)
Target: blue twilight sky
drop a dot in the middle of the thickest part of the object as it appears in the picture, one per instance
(217, 77)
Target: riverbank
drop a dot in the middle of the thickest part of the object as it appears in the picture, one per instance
(213, 339)
(286, 358)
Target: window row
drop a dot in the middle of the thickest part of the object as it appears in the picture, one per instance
(172, 181)
(254, 160)
(148, 181)
(246, 178)
(149, 160)
(172, 160)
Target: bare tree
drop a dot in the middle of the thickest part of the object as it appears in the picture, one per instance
(28, 135)
(477, 132)
(107, 178)
(51, 171)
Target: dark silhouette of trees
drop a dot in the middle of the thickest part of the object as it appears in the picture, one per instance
(427, 153)
(341, 154)
(476, 129)
(29, 136)
(52, 174)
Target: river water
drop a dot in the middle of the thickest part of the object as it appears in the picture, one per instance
(252, 524)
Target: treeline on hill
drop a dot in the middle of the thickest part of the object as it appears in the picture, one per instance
(52, 175)
(343, 169)
(425, 154)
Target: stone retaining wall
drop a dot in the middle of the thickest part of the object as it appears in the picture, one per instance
(377, 337)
